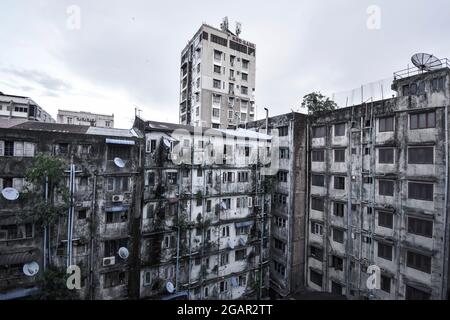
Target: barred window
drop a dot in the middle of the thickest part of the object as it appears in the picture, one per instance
(318, 180)
(422, 120)
(418, 261)
(386, 155)
(420, 191)
(386, 188)
(420, 227)
(421, 155)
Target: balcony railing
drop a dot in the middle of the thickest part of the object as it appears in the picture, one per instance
(411, 71)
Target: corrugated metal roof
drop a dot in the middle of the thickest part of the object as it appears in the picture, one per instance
(111, 132)
(6, 123)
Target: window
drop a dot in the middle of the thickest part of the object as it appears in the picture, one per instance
(223, 286)
(416, 294)
(279, 268)
(216, 112)
(338, 235)
(116, 217)
(283, 131)
(244, 90)
(279, 245)
(386, 124)
(226, 229)
(111, 247)
(7, 183)
(208, 206)
(437, 84)
(242, 280)
(217, 55)
(219, 40)
(243, 176)
(337, 263)
(418, 261)
(422, 120)
(206, 292)
(318, 155)
(151, 178)
(223, 259)
(9, 148)
(339, 130)
(113, 279)
(282, 176)
(82, 214)
(338, 209)
(240, 254)
(385, 284)
(16, 231)
(336, 288)
(318, 180)
(386, 188)
(280, 222)
(217, 99)
(217, 84)
(319, 132)
(244, 76)
(245, 64)
(172, 177)
(421, 155)
(316, 253)
(420, 227)
(385, 251)
(118, 151)
(386, 155)
(284, 153)
(368, 180)
(339, 183)
(317, 204)
(198, 68)
(217, 69)
(63, 148)
(317, 228)
(385, 219)
(339, 155)
(420, 191)
(315, 277)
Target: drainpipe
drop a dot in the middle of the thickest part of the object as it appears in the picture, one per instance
(307, 191)
(91, 265)
(46, 227)
(446, 235)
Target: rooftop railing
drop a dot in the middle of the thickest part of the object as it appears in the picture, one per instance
(411, 71)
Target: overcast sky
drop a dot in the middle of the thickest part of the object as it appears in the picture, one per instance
(126, 53)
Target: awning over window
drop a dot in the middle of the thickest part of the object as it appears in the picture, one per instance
(18, 258)
(116, 209)
(119, 141)
(176, 295)
(244, 224)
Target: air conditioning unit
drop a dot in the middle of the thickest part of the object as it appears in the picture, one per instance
(117, 198)
(110, 261)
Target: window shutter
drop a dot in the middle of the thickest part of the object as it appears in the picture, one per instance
(18, 149)
(29, 149)
(18, 184)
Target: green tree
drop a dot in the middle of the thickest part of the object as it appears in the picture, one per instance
(315, 102)
(53, 286)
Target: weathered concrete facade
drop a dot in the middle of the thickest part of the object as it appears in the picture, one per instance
(217, 79)
(85, 118)
(287, 238)
(105, 199)
(379, 193)
(22, 108)
(202, 222)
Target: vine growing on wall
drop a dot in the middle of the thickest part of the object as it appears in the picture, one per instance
(45, 168)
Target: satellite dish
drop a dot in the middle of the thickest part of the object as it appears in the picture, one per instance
(169, 287)
(223, 205)
(30, 269)
(426, 62)
(119, 162)
(231, 244)
(242, 241)
(167, 143)
(10, 194)
(123, 253)
(234, 282)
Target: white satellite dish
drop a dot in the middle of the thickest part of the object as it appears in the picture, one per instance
(119, 162)
(223, 205)
(170, 287)
(234, 282)
(30, 269)
(167, 143)
(10, 194)
(231, 244)
(426, 62)
(123, 252)
(242, 241)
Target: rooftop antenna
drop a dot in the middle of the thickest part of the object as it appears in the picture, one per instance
(224, 24)
(426, 62)
(238, 29)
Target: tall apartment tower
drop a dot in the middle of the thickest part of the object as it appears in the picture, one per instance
(217, 79)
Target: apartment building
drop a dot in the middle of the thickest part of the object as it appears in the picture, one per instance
(102, 179)
(85, 118)
(22, 109)
(287, 238)
(379, 193)
(217, 79)
(204, 229)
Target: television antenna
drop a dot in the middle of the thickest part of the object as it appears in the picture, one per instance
(426, 62)
(238, 28)
(224, 24)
